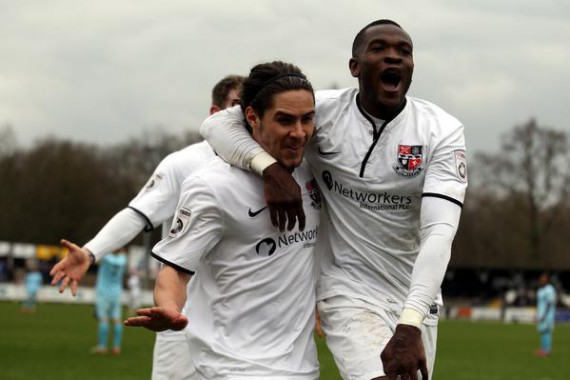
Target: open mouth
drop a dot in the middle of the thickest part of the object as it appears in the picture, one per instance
(391, 79)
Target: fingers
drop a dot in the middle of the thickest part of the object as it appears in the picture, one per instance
(64, 284)
(57, 277)
(273, 216)
(424, 371)
(146, 312)
(137, 321)
(69, 245)
(282, 219)
(56, 268)
(74, 287)
(301, 216)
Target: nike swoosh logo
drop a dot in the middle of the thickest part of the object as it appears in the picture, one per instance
(255, 213)
(326, 153)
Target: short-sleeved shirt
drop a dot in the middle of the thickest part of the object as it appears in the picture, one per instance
(157, 200)
(373, 178)
(252, 294)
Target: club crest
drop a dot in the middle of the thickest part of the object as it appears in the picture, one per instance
(410, 160)
(460, 164)
(180, 222)
(314, 193)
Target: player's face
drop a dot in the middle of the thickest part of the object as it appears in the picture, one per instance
(232, 99)
(286, 126)
(384, 66)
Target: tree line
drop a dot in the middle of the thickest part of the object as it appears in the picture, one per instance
(516, 213)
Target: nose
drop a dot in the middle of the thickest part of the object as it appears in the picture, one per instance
(393, 56)
(298, 131)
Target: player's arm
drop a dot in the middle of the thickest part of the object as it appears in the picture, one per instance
(169, 298)
(225, 132)
(118, 232)
(404, 354)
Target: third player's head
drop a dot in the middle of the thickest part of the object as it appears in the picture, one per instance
(279, 106)
(383, 61)
(226, 93)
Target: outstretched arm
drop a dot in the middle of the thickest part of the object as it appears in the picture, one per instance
(404, 354)
(225, 132)
(169, 298)
(118, 232)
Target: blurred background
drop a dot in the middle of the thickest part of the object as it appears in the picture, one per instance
(94, 95)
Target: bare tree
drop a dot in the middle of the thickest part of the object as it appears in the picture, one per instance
(532, 175)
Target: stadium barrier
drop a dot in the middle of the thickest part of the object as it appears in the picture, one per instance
(85, 295)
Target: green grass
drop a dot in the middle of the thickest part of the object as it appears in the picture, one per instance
(54, 343)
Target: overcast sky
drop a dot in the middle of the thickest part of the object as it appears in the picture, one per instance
(102, 71)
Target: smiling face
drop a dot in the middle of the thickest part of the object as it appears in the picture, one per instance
(285, 127)
(384, 65)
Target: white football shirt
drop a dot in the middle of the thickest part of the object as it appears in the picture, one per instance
(253, 291)
(157, 200)
(373, 178)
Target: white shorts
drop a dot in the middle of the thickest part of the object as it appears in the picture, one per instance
(357, 332)
(171, 357)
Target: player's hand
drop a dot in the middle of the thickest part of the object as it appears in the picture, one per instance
(283, 197)
(404, 354)
(71, 269)
(158, 319)
(318, 328)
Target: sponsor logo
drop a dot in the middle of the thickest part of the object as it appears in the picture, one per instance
(409, 160)
(323, 153)
(460, 164)
(268, 246)
(314, 193)
(180, 222)
(372, 201)
(253, 214)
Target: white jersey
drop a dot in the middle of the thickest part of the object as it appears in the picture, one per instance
(157, 200)
(373, 178)
(253, 289)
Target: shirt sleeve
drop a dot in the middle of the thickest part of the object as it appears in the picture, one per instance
(156, 201)
(118, 232)
(446, 175)
(438, 224)
(196, 228)
(226, 133)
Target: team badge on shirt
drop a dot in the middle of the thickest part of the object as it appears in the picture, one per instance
(153, 181)
(410, 160)
(180, 222)
(314, 193)
(460, 164)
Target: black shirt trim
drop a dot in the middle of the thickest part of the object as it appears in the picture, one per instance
(177, 267)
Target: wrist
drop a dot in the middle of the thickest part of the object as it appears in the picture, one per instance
(260, 162)
(91, 257)
(411, 317)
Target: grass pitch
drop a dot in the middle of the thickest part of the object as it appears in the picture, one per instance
(54, 343)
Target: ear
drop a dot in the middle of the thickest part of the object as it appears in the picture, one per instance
(214, 108)
(251, 118)
(354, 67)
